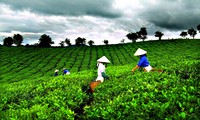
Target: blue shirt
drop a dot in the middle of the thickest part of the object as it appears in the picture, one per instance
(143, 61)
(65, 71)
(56, 74)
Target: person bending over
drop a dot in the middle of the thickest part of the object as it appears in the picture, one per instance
(143, 62)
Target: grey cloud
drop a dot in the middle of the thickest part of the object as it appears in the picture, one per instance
(6, 28)
(102, 8)
(19, 25)
(32, 25)
(68, 18)
(173, 15)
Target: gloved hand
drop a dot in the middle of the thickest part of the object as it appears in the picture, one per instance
(104, 75)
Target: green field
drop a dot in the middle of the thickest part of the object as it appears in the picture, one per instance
(28, 89)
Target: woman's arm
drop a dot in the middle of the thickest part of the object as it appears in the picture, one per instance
(136, 67)
(104, 75)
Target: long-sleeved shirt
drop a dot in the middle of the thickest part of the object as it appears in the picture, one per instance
(101, 68)
(143, 61)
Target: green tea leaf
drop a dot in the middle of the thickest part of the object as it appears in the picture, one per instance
(180, 105)
(191, 110)
(183, 115)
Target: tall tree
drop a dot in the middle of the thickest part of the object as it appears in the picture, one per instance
(192, 32)
(142, 34)
(159, 34)
(80, 41)
(8, 41)
(198, 27)
(18, 39)
(183, 34)
(67, 41)
(105, 42)
(132, 36)
(45, 41)
(90, 42)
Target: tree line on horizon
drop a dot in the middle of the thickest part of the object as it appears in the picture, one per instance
(46, 41)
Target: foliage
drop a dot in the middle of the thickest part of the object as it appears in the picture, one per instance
(62, 43)
(183, 34)
(142, 34)
(8, 41)
(192, 32)
(90, 42)
(28, 90)
(198, 27)
(159, 34)
(105, 42)
(67, 41)
(45, 41)
(132, 36)
(18, 39)
(80, 41)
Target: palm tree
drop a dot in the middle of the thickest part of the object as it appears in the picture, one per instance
(159, 34)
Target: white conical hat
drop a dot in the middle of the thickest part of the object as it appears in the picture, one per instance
(103, 59)
(56, 70)
(140, 52)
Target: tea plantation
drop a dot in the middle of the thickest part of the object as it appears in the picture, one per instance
(28, 89)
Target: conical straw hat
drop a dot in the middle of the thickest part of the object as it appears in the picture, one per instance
(140, 52)
(56, 70)
(103, 59)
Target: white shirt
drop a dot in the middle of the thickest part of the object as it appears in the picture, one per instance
(101, 68)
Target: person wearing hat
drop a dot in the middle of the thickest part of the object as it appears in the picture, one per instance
(144, 63)
(56, 73)
(101, 73)
(65, 71)
(101, 68)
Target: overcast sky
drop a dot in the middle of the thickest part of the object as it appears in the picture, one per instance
(96, 20)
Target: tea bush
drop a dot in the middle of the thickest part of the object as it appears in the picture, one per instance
(28, 89)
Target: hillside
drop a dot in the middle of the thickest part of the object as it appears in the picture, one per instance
(29, 90)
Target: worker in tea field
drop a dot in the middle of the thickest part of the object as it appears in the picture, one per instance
(65, 71)
(101, 64)
(56, 73)
(144, 63)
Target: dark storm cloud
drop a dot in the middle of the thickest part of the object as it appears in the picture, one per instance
(101, 8)
(92, 19)
(173, 14)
